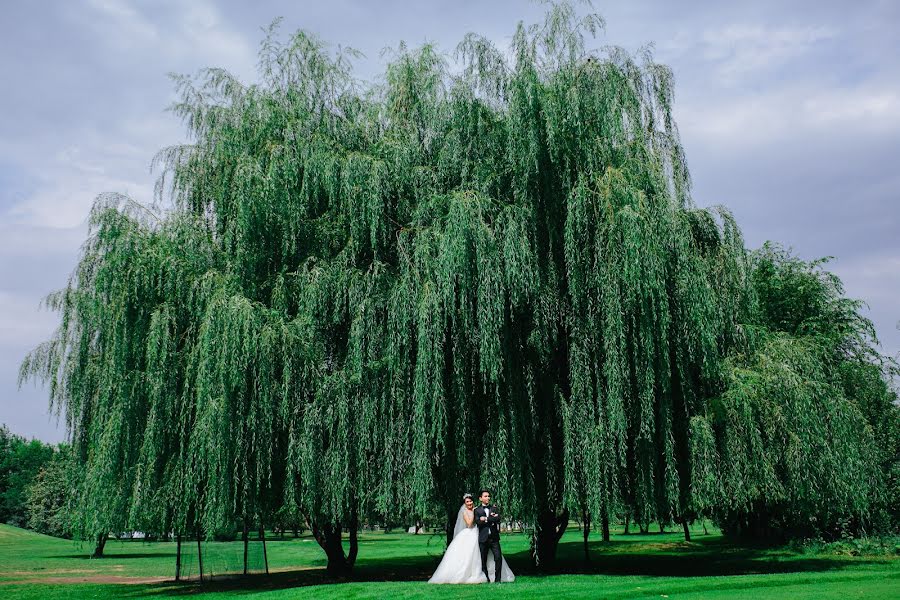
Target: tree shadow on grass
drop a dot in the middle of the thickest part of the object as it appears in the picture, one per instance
(699, 558)
(714, 557)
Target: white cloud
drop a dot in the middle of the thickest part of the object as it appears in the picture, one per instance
(175, 33)
(203, 32)
(119, 20)
(19, 242)
(781, 113)
(69, 181)
(741, 50)
(754, 84)
(67, 166)
(875, 278)
(22, 321)
(871, 107)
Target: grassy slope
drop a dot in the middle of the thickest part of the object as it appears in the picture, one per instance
(635, 566)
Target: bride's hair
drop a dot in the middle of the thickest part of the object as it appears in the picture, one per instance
(468, 495)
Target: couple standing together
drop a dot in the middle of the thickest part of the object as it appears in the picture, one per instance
(474, 552)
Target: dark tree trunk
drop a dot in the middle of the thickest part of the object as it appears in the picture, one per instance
(101, 544)
(178, 558)
(703, 522)
(262, 537)
(334, 550)
(296, 532)
(687, 531)
(626, 523)
(200, 553)
(662, 528)
(450, 523)
(354, 543)
(586, 529)
(246, 538)
(605, 527)
(329, 538)
(551, 528)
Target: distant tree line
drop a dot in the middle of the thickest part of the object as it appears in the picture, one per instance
(37, 484)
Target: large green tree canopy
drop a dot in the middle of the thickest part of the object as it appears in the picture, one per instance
(807, 429)
(359, 299)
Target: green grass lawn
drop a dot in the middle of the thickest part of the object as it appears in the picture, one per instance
(398, 564)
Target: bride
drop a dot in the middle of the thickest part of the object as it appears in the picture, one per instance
(462, 560)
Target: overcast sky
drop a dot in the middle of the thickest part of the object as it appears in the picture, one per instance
(789, 112)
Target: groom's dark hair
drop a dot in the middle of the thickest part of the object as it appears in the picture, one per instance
(482, 491)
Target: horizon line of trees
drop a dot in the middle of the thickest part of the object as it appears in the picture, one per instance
(361, 299)
(35, 484)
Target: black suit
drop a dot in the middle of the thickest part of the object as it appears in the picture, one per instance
(489, 538)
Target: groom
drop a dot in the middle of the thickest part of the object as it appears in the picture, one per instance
(487, 518)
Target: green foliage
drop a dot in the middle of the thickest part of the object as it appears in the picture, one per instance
(798, 452)
(807, 425)
(50, 496)
(887, 545)
(20, 461)
(801, 298)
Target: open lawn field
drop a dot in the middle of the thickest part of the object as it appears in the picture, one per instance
(398, 564)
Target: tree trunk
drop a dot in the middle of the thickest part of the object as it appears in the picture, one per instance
(354, 543)
(334, 550)
(178, 558)
(586, 529)
(246, 539)
(605, 525)
(200, 553)
(550, 529)
(262, 537)
(450, 524)
(329, 538)
(703, 522)
(626, 523)
(101, 544)
(687, 531)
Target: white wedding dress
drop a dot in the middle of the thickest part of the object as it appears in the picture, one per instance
(462, 560)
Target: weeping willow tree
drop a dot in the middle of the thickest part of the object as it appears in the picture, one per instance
(803, 439)
(116, 366)
(363, 299)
